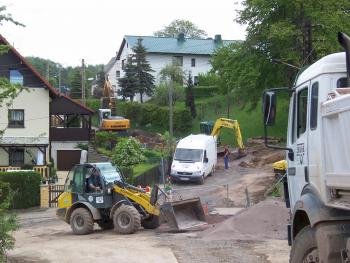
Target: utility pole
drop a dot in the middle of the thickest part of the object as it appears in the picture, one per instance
(171, 115)
(83, 81)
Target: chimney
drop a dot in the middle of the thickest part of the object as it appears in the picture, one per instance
(218, 39)
(181, 37)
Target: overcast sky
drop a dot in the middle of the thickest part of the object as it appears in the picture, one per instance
(66, 31)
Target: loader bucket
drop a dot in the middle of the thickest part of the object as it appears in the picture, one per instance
(184, 214)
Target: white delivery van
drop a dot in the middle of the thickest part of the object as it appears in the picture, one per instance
(194, 159)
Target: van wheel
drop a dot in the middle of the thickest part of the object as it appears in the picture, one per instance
(212, 171)
(304, 247)
(201, 180)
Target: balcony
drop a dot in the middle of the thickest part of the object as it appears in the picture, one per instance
(69, 134)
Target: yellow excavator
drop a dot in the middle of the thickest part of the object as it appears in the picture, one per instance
(107, 119)
(213, 129)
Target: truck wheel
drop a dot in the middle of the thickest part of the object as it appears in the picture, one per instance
(126, 219)
(304, 247)
(105, 224)
(81, 221)
(150, 223)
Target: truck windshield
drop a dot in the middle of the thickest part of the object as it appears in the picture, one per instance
(190, 155)
(109, 172)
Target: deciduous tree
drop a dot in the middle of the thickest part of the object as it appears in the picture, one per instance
(189, 29)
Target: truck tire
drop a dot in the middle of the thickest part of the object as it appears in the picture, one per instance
(126, 219)
(150, 223)
(81, 221)
(105, 224)
(304, 247)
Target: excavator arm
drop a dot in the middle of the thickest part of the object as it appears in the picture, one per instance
(231, 124)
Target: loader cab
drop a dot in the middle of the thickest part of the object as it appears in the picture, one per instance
(77, 183)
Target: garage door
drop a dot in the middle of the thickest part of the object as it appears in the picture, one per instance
(66, 159)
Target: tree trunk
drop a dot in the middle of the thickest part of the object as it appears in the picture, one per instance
(141, 97)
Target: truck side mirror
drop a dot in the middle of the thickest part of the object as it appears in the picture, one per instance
(206, 159)
(269, 108)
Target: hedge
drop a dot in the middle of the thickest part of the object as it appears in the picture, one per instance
(147, 113)
(205, 91)
(26, 186)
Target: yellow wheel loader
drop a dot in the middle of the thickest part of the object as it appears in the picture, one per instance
(118, 205)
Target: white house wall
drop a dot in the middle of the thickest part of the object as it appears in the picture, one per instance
(159, 61)
(35, 104)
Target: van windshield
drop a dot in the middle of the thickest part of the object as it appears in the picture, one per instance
(189, 155)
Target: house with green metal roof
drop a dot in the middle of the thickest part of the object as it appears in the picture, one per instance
(191, 54)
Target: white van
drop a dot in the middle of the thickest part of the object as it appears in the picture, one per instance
(194, 159)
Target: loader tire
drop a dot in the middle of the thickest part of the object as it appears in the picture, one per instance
(150, 223)
(105, 224)
(304, 247)
(126, 219)
(81, 221)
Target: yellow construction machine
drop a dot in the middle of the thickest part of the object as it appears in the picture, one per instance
(116, 204)
(214, 130)
(107, 119)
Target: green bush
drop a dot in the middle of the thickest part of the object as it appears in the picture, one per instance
(127, 153)
(209, 79)
(205, 91)
(26, 188)
(148, 113)
(106, 139)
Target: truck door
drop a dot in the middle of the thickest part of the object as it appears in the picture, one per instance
(297, 140)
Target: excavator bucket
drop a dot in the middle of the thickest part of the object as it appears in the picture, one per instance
(183, 215)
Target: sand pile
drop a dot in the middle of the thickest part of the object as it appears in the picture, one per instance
(266, 220)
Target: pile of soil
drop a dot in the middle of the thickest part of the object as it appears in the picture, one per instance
(266, 220)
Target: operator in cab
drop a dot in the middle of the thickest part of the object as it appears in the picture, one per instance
(94, 182)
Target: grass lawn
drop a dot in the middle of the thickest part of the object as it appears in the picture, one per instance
(143, 167)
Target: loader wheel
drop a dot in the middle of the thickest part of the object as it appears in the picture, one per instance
(126, 219)
(105, 224)
(304, 247)
(150, 223)
(81, 221)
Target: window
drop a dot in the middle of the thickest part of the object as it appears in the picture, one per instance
(193, 62)
(16, 118)
(178, 60)
(69, 181)
(78, 179)
(16, 157)
(342, 83)
(302, 112)
(123, 64)
(117, 73)
(16, 77)
(195, 80)
(314, 106)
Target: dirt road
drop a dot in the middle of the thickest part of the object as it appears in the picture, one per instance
(256, 234)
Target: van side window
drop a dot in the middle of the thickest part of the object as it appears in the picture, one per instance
(302, 111)
(341, 83)
(314, 106)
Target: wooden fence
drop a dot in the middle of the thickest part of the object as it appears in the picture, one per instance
(55, 191)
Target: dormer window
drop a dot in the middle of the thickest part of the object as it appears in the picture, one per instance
(16, 77)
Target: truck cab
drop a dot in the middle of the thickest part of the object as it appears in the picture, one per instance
(318, 156)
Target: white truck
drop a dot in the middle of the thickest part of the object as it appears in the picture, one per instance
(194, 159)
(318, 156)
